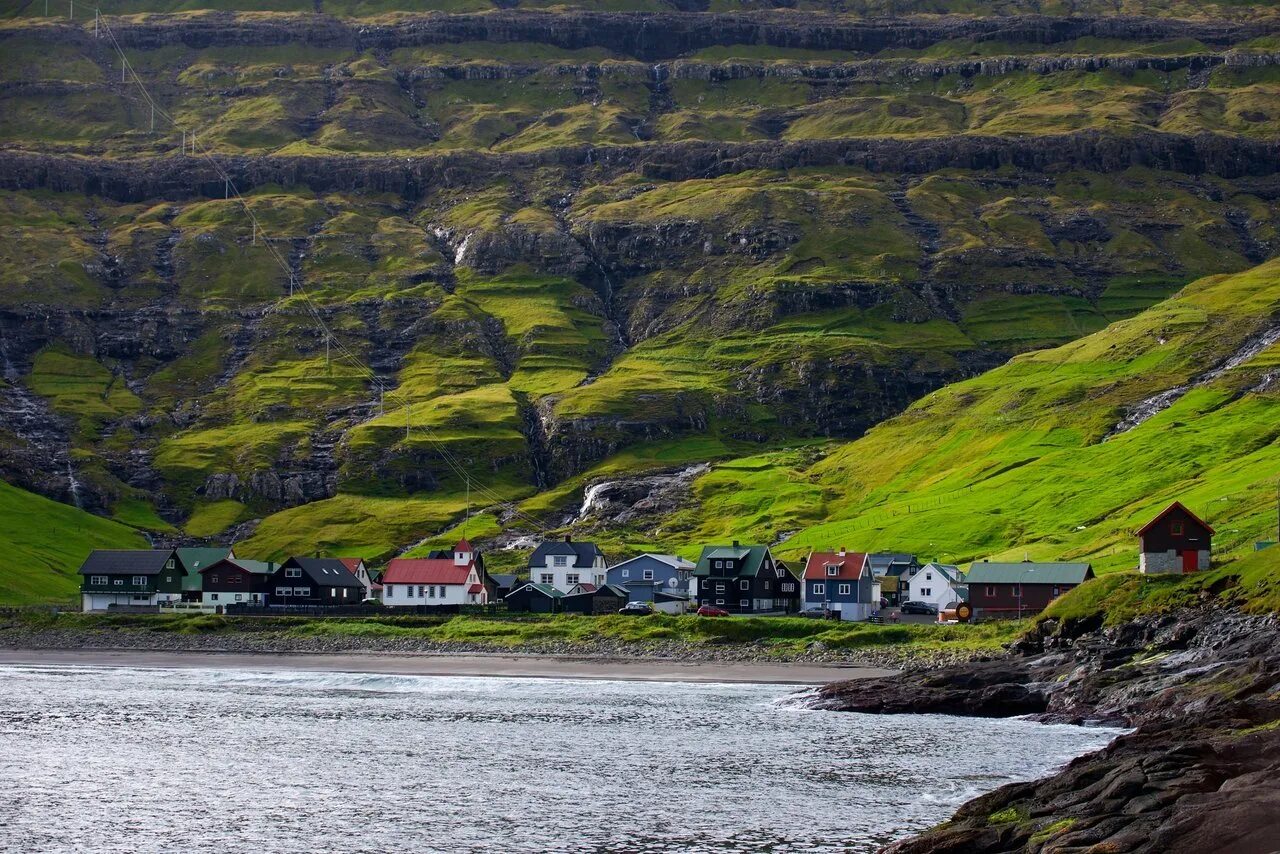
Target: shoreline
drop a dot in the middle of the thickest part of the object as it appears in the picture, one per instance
(497, 665)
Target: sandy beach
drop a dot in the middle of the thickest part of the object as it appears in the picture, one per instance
(498, 665)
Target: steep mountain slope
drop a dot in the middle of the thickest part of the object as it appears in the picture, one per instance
(44, 543)
(1061, 453)
(578, 245)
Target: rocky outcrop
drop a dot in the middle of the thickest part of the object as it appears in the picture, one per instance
(187, 177)
(650, 35)
(1198, 774)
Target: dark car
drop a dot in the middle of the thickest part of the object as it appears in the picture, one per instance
(712, 611)
(815, 613)
(918, 608)
(636, 609)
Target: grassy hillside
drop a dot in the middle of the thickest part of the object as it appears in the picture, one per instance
(1020, 461)
(44, 543)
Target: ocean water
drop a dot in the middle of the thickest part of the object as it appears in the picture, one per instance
(130, 760)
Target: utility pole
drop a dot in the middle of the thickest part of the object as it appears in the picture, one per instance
(153, 118)
(408, 417)
(72, 14)
(124, 67)
(95, 25)
(184, 143)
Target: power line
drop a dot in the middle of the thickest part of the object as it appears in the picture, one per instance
(296, 286)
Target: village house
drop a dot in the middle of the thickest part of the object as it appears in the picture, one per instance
(129, 578)
(356, 566)
(564, 563)
(233, 581)
(745, 580)
(893, 570)
(646, 576)
(1175, 541)
(191, 561)
(452, 578)
(936, 584)
(503, 583)
(590, 599)
(1015, 590)
(535, 598)
(842, 583)
(315, 582)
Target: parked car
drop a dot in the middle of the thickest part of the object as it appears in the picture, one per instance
(815, 613)
(636, 609)
(919, 608)
(712, 611)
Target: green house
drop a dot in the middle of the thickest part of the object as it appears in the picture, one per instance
(132, 578)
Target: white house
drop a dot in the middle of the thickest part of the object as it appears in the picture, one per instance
(564, 563)
(361, 572)
(935, 583)
(453, 580)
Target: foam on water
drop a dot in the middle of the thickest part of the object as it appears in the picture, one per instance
(130, 759)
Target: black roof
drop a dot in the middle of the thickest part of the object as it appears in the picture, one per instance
(584, 554)
(325, 571)
(125, 561)
(503, 579)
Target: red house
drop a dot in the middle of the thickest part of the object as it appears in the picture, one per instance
(1175, 541)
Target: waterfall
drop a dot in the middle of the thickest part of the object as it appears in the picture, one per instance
(73, 486)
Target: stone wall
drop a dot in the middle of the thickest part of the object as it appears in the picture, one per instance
(1155, 563)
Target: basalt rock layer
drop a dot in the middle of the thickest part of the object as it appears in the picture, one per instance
(1198, 773)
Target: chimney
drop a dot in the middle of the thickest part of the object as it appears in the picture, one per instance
(736, 544)
(568, 538)
(842, 551)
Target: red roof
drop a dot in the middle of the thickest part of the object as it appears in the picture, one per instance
(475, 588)
(1177, 505)
(463, 546)
(351, 563)
(851, 565)
(422, 570)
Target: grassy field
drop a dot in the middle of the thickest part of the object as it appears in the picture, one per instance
(775, 636)
(45, 543)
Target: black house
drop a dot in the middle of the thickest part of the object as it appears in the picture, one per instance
(314, 581)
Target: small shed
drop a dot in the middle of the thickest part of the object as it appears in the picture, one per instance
(605, 599)
(1175, 541)
(535, 598)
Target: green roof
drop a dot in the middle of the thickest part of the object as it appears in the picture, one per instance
(1028, 572)
(257, 567)
(545, 589)
(751, 556)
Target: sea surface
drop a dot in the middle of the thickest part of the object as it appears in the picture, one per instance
(131, 760)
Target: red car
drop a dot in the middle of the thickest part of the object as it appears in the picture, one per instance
(712, 611)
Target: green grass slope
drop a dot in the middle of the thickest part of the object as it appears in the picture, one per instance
(1018, 460)
(45, 542)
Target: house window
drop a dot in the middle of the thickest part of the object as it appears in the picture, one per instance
(744, 584)
(626, 573)
(1016, 589)
(560, 560)
(672, 582)
(1175, 528)
(168, 579)
(213, 597)
(719, 588)
(991, 590)
(139, 597)
(844, 589)
(168, 564)
(787, 587)
(719, 601)
(139, 581)
(833, 570)
(293, 572)
(213, 579)
(344, 592)
(719, 564)
(928, 576)
(1055, 591)
(926, 592)
(98, 580)
(571, 578)
(819, 590)
(744, 603)
(333, 593)
(648, 575)
(119, 582)
(422, 590)
(547, 578)
(391, 590)
(599, 580)
(284, 591)
(302, 591)
(239, 598)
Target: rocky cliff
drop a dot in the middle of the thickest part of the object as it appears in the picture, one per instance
(1198, 773)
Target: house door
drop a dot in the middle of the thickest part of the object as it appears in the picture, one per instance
(1190, 561)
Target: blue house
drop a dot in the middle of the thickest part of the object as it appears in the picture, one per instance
(842, 583)
(647, 576)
